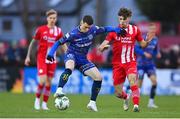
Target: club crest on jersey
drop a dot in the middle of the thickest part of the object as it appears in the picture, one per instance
(45, 37)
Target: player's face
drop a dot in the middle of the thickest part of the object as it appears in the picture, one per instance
(124, 22)
(84, 27)
(51, 19)
(152, 28)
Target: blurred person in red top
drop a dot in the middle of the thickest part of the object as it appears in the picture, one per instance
(96, 56)
(124, 59)
(47, 35)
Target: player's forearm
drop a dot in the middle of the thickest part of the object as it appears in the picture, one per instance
(138, 50)
(54, 48)
(31, 45)
(144, 43)
(110, 29)
(64, 48)
(103, 45)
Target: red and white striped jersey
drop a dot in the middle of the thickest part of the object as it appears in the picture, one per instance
(123, 47)
(46, 37)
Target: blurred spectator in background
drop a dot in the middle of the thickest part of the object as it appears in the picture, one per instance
(12, 54)
(3, 54)
(146, 64)
(174, 56)
(96, 56)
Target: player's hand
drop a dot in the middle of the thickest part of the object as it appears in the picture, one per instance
(101, 49)
(120, 31)
(50, 58)
(27, 61)
(147, 55)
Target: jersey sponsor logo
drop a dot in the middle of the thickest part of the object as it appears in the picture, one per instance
(126, 40)
(49, 39)
(84, 45)
(79, 39)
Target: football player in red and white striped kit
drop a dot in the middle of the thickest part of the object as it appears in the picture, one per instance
(124, 59)
(46, 35)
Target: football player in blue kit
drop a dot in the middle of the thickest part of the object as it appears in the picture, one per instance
(146, 64)
(80, 40)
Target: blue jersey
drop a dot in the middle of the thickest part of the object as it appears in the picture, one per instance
(152, 48)
(80, 42)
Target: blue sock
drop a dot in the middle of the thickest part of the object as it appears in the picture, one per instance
(153, 91)
(64, 77)
(95, 89)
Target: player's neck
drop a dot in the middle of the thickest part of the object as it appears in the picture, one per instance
(50, 26)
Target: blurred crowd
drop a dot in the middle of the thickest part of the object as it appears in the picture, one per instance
(14, 53)
(170, 57)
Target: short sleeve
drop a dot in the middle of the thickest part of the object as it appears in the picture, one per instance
(110, 36)
(60, 35)
(67, 38)
(139, 35)
(37, 34)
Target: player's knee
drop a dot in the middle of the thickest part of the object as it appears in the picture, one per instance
(98, 77)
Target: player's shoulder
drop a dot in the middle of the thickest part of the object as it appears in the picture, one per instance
(41, 28)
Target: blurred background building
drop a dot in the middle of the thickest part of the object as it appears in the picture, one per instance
(20, 18)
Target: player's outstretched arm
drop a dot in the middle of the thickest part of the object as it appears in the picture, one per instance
(53, 49)
(107, 29)
(68, 37)
(104, 45)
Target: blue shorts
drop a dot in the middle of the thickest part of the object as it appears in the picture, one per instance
(148, 69)
(81, 61)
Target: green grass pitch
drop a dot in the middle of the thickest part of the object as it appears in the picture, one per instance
(21, 105)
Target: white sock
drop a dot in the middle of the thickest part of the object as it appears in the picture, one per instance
(44, 104)
(151, 101)
(37, 99)
(92, 101)
(59, 89)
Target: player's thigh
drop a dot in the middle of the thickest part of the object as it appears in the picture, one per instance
(51, 69)
(70, 64)
(119, 75)
(41, 67)
(69, 61)
(94, 73)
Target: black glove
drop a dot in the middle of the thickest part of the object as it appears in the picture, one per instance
(50, 58)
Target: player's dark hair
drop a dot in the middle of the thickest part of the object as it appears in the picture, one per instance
(50, 12)
(88, 19)
(125, 12)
